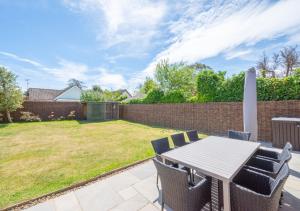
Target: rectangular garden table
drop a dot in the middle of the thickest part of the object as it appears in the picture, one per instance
(218, 157)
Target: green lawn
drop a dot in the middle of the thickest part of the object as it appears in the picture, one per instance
(41, 157)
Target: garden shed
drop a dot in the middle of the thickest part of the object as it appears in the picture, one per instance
(102, 111)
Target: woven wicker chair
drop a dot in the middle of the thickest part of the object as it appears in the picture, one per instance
(178, 139)
(160, 146)
(272, 155)
(178, 193)
(254, 191)
(193, 135)
(268, 167)
(239, 135)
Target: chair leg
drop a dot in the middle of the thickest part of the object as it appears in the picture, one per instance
(162, 202)
(157, 182)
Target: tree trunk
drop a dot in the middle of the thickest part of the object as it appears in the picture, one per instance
(8, 116)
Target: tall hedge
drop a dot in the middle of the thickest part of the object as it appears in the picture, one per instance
(213, 88)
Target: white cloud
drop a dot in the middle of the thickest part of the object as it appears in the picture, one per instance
(21, 59)
(203, 33)
(238, 54)
(134, 22)
(67, 70)
(109, 80)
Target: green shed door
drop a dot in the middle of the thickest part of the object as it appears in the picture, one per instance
(96, 111)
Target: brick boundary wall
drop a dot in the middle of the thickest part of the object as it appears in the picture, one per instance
(210, 118)
(44, 108)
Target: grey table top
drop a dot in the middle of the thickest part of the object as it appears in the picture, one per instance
(215, 156)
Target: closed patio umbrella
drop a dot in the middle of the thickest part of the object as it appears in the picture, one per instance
(250, 104)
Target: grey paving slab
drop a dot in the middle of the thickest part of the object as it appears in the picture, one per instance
(44, 206)
(149, 207)
(148, 188)
(128, 193)
(67, 202)
(97, 197)
(121, 181)
(144, 171)
(133, 204)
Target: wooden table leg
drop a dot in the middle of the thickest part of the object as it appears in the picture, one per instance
(226, 195)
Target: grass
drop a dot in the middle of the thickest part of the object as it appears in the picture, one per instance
(41, 157)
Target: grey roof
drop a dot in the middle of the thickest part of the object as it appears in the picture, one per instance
(37, 94)
(123, 91)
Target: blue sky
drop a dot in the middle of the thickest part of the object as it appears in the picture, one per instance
(116, 43)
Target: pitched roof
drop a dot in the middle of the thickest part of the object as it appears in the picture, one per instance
(122, 91)
(43, 94)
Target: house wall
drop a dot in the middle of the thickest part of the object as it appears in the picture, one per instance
(209, 118)
(72, 94)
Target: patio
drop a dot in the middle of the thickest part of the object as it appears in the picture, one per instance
(135, 189)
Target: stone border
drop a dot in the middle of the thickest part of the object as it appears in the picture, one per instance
(37, 200)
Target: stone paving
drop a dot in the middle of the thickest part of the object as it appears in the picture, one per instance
(135, 189)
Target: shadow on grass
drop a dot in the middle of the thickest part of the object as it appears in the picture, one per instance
(95, 121)
(3, 125)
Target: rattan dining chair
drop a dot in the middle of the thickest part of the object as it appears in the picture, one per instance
(268, 167)
(178, 139)
(160, 146)
(178, 192)
(239, 135)
(192, 135)
(251, 190)
(272, 155)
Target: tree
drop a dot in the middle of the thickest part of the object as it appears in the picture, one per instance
(176, 77)
(289, 59)
(148, 85)
(199, 66)
(264, 66)
(91, 96)
(97, 88)
(209, 85)
(75, 82)
(11, 97)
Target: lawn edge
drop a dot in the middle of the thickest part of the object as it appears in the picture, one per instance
(42, 198)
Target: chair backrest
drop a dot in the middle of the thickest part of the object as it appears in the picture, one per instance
(174, 181)
(193, 135)
(285, 157)
(288, 147)
(239, 135)
(281, 177)
(254, 181)
(160, 145)
(178, 139)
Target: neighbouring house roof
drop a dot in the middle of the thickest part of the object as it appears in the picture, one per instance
(38, 94)
(124, 91)
(137, 95)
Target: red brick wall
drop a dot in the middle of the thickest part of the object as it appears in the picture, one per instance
(210, 118)
(43, 109)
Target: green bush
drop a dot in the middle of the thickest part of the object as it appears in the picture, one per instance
(136, 101)
(173, 97)
(154, 96)
(209, 84)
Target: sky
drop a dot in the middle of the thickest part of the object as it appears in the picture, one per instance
(117, 43)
